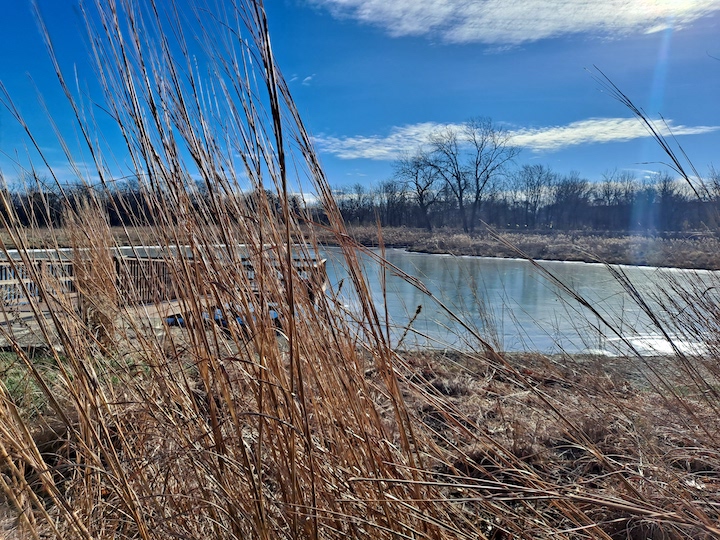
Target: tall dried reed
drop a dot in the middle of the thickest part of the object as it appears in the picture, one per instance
(317, 430)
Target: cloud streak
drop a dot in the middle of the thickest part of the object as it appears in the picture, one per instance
(595, 131)
(514, 22)
(407, 139)
(380, 148)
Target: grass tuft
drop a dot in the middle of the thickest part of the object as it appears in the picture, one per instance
(129, 426)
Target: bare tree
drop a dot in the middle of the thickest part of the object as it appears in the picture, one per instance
(421, 180)
(714, 183)
(446, 159)
(616, 188)
(532, 184)
(467, 159)
(614, 197)
(571, 199)
(490, 151)
(608, 192)
(392, 202)
(669, 199)
(356, 203)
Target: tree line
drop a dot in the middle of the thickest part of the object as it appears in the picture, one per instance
(44, 204)
(466, 176)
(461, 178)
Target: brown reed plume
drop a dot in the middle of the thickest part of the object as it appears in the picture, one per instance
(316, 429)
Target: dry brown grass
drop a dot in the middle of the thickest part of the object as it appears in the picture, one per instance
(324, 431)
(692, 251)
(578, 424)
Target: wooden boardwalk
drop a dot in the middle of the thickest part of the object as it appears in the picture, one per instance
(143, 280)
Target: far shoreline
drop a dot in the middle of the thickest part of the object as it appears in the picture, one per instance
(691, 251)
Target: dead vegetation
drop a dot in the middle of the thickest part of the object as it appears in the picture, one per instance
(120, 426)
(696, 251)
(576, 425)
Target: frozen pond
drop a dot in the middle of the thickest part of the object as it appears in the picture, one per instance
(514, 306)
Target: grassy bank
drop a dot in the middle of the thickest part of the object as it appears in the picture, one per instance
(679, 251)
(520, 443)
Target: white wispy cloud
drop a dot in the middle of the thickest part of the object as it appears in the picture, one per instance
(407, 139)
(379, 147)
(305, 81)
(519, 21)
(597, 130)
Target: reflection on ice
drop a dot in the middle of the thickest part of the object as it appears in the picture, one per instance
(656, 345)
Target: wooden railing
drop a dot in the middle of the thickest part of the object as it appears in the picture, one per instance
(17, 285)
(140, 280)
(145, 280)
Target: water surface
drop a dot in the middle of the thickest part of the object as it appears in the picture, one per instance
(511, 304)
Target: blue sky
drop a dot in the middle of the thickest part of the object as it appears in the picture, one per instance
(373, 78)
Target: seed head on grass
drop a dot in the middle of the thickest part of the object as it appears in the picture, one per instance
(318, 429)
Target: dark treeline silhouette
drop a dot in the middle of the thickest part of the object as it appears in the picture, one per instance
(128, 204)
(527, 197)
(466, 175)
(43, 208)
(532, 197)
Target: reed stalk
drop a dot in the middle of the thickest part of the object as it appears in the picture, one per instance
(317, 429)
